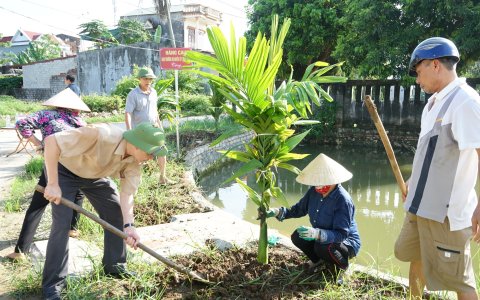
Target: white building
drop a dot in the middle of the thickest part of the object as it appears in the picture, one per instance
(190, 20)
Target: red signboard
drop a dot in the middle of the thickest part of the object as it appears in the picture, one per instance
(173, 58)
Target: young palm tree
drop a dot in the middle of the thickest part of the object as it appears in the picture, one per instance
(248, 81)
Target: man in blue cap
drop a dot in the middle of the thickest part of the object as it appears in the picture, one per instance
(441, 203)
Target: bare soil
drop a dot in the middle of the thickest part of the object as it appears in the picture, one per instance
(237, 274)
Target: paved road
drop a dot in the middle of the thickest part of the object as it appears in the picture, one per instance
(14, 164)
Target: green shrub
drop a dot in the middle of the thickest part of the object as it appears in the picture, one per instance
(124, 86)
(194, 104)
(98, 103)
(188, 82)
(8, 83)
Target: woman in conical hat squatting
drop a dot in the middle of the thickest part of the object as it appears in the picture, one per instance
(333, 237)
(62, 114)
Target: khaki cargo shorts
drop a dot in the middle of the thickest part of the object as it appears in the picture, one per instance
(445, 254)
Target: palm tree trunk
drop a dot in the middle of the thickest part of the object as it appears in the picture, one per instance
(163, 8)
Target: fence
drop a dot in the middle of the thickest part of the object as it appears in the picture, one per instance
(397, 105)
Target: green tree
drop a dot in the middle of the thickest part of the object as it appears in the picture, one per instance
(5, 57)
(380, 35)
(313, 32)
(217, 100)
(4, 44)
(43, 48)
(131, 31)
(267, 110)
(96, 31)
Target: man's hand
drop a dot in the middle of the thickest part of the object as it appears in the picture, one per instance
(53, 193)
(133, 238)
(39, 150)
(404, 196)
(309, 233)
(476, 223)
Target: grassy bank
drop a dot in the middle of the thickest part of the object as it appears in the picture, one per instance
(236, 272)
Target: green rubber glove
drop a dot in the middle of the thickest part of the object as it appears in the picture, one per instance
(273, 212)
(309, 233)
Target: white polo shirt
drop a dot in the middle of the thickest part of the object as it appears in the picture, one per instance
(464, 116)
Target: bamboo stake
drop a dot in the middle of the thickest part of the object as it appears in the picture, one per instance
(372, 110)
(193, 275)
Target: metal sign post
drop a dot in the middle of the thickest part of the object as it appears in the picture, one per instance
(177, 98)
(173, 59)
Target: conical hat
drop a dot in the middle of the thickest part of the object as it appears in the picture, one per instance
(323, 171)
(67, 99)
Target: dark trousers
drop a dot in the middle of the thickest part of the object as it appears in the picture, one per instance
(334, 253)
(104, 197)
(34, 214)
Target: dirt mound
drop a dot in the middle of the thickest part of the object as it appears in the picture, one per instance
(237, 275)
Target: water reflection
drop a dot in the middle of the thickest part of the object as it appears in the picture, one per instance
(377, 198)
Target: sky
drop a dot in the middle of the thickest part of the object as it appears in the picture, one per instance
(64, 16)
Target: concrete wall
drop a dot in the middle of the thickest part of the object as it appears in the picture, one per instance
(99, 70)
(204, 157)
(38, 75)
(44, 79)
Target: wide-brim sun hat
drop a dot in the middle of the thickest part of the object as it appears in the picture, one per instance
(148, 138)
(146, 72)
(67, 99)
(323, 171)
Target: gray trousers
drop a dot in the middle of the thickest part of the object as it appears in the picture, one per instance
(104, 197)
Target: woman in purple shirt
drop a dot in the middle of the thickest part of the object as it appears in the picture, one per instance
(62, 116)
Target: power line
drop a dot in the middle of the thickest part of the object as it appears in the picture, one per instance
(52, 8)
(92, 38)
(69, 31)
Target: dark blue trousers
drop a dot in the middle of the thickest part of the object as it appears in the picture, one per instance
(334, 253)
(103, 195)
(34, 214)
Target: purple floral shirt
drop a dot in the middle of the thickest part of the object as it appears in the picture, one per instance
(49, 122)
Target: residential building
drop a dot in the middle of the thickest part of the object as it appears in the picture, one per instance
(19, 42)
(189, 24)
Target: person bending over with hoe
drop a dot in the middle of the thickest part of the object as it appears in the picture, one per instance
(333, 238)
(83, 159)
(63, 115)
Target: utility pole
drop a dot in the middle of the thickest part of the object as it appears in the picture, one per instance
(163, 8)
(170, 28)
(114, 12)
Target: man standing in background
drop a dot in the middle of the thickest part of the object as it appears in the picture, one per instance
(70, 82)
(141, 107)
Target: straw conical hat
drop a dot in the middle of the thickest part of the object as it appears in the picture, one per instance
(323, 171)
(67, 99)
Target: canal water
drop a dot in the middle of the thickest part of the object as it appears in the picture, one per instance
(377, 198)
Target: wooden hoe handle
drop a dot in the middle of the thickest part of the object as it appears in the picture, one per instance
(372, 110)
(123, 235)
